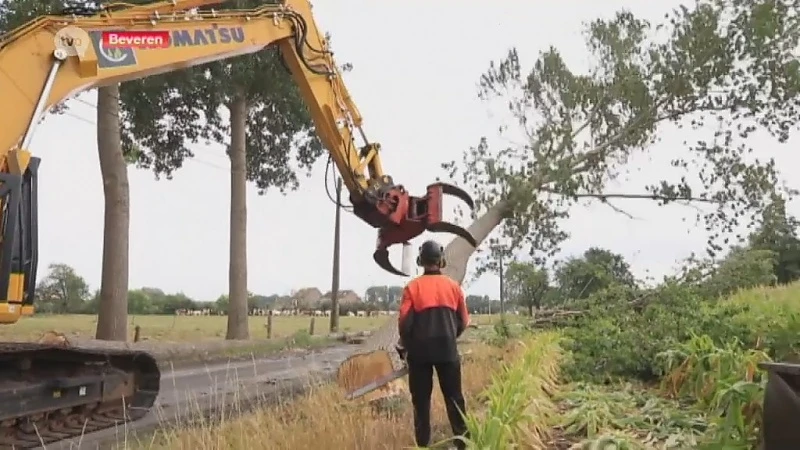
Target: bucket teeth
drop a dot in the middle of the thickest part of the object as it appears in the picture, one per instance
(381, 257)
(447, 227)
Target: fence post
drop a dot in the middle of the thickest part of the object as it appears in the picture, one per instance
(269, 325)
(311, 327)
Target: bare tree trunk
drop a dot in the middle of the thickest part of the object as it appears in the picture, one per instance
(458, 251)
(237, 267)
(112, 321)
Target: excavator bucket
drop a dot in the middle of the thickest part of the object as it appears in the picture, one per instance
(421, 214)
(781, 406)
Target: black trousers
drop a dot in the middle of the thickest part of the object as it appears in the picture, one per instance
(420, 383)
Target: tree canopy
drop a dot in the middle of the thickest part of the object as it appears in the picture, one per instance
(62, 290)
(725, 70)
(777, 233)
(526, 285)
(595, 270)
(165, 114)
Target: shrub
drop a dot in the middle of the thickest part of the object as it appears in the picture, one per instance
(620, 338)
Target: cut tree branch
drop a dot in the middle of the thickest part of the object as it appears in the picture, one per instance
(606, 197)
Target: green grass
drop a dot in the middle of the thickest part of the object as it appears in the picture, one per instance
(180, 328)
(195, 328)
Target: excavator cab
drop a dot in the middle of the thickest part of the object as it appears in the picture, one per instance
(401, 217)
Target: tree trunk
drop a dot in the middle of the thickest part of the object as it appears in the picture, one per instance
(237, 267)
(112, 320)
(458, 251)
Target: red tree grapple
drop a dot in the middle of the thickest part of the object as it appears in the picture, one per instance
(401, 217)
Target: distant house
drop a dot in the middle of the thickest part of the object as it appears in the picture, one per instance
(307, 298)
(346, 298)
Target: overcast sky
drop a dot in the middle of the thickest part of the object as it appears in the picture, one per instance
(416, 65)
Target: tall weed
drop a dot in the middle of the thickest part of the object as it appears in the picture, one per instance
(722, 380)
(518, 401)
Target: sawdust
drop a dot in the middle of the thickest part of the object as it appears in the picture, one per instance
(360, 369)
(54, 338)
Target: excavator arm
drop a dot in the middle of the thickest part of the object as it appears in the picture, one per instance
(50, 391)
(54, 57)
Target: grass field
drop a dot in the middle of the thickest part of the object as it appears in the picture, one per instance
(190, 328)
(179, 328)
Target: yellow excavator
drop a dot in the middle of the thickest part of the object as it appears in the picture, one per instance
(48, 392)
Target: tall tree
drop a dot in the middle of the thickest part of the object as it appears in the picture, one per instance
(597, 269)
(777, 232)
(112, 316)
(526, 285)
(742, 268)
(726, 65)
(62, 291)
(268, 127)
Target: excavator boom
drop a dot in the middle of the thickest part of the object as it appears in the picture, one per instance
(52, 58)
(199, 36)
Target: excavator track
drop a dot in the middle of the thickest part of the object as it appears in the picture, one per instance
(50, 393)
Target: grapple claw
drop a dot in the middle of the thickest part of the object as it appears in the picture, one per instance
(447, 227)
(381, 257)
(401, 217)
(456, 191)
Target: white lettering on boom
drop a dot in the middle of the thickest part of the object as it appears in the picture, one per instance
(123, 40)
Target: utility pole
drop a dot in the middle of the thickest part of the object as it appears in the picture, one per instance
(335, 274)
(502, 287)
(500, 264)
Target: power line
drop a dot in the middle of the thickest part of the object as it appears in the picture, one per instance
(94, 124)
(328, 178)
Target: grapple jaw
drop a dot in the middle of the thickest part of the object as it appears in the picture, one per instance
(415, 215)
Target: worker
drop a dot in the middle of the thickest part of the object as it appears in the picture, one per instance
(433, 314)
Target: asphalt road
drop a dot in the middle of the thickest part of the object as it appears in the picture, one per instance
(189, 392)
